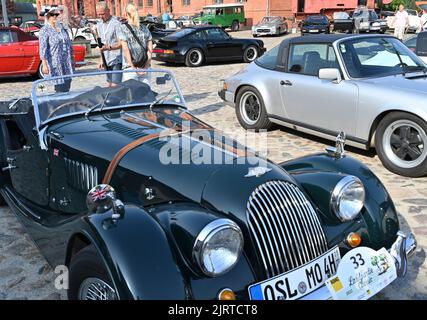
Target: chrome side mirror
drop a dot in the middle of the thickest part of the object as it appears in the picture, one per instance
(102, 198)
(331, 74)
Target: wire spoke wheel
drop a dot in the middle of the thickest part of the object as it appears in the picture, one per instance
(96, 289)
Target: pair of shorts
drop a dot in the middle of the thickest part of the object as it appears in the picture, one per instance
(115, 78)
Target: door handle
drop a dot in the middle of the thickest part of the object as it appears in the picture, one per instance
(286, 83)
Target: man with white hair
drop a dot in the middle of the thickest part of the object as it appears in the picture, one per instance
(108, 30)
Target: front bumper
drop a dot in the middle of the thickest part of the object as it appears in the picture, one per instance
(264, 32)
(227, 97)
(403, 248)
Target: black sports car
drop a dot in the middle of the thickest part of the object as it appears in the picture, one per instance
(315, 24)
(196, 45)
(139, 199)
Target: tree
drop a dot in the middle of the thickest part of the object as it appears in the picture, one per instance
(409, 4)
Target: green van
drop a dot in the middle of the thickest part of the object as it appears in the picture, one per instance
(223, 15)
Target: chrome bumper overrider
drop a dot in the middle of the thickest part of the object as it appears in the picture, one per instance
(403, 248)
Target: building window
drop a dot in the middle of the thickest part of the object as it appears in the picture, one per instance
(186, 2)
(218, 1)
(149, 3)
(141, 3)
(241, 1)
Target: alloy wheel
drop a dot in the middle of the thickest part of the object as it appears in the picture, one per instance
(195, 57)
(405, 143)
(250, 108)
(251, 54)
(96, 289)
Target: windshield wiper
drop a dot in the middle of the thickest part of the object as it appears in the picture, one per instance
(102, 105)
(158, 100)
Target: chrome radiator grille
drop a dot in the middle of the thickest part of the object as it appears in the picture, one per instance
(80, 175)
(284, 226)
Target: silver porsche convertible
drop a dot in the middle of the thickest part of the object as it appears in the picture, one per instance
(370, 86)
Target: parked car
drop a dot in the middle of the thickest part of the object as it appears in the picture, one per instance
(19, 53)
(271, 25)
(87, 173)
(184, 21)
(196, 45)
(418, 44)
(84, 33)
(367, 20)
(223, 15)
(31, 26)
(315, 24)
(343, 22)
(371, 87)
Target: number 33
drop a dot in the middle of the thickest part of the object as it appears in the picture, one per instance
(357, 262)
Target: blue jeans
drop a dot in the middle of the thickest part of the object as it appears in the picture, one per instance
(115, 78)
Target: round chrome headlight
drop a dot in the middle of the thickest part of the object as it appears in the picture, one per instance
(348, 198)
(218, 247)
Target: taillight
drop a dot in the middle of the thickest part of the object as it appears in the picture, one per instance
(163, 51)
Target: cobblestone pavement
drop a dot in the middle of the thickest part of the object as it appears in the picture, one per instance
(25, 274)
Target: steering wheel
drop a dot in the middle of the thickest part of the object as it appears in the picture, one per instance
(402, 64)
(76, 105)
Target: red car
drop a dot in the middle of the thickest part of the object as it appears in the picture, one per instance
(19, 53)
(31, 26)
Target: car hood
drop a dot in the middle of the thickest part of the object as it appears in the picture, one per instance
(167, 163)
(414, 83)
(265, 25)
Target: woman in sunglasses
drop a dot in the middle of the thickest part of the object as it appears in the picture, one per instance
(56, 51)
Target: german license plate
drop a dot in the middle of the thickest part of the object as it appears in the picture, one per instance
(298, 282)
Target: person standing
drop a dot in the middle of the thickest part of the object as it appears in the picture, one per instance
(423, 20)
(401, 22)
(166, 18)
(136, 43)
(56, 51)
(108, 30)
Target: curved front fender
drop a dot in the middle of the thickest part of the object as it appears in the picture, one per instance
(138, 255)
(379, 213)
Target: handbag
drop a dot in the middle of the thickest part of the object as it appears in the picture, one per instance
(141, 60)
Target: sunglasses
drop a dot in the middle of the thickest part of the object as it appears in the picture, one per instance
(54, 14)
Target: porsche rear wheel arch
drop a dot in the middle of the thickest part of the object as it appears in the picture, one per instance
(89, 278)
(402, 153)
(250, 109)
(194, 57)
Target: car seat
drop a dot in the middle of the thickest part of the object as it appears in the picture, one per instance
(312, 63)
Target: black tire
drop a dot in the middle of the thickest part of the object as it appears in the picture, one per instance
(250, 54)
(40, 74)
(407, 155)
(190, 58)
(84, 265)
(254, 35)
(235, 26)
(260, 121)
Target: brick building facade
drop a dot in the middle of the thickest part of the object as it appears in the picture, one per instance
(254, 9)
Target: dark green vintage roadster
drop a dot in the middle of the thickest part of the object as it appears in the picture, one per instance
(141, 200)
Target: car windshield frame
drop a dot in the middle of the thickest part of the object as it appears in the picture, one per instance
(270, 19)
(42, 125)
(411, 54)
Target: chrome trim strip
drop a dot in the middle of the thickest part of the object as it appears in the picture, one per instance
(271, 217)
